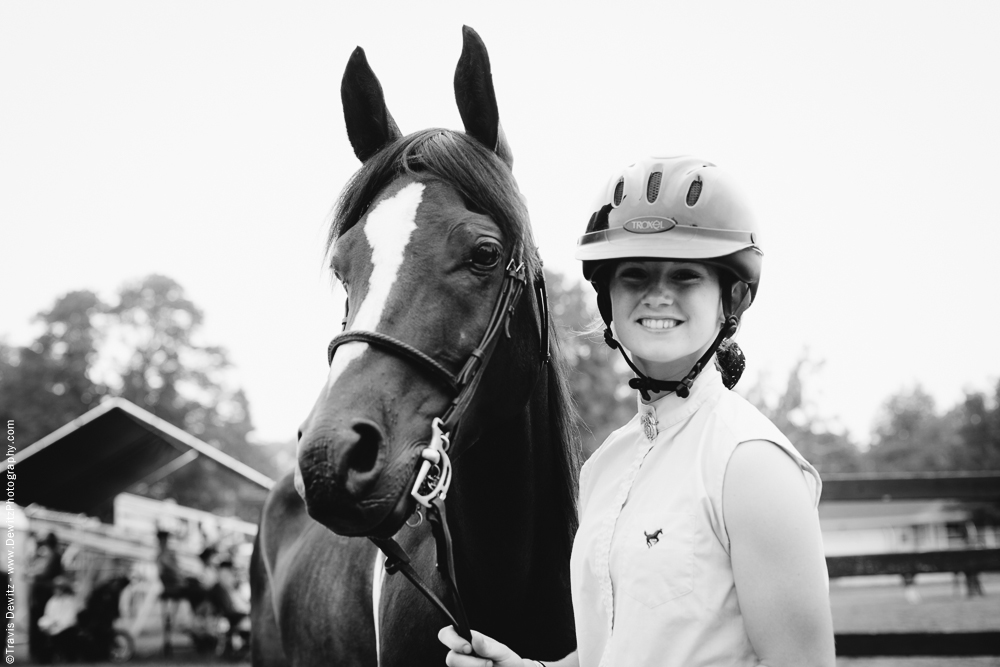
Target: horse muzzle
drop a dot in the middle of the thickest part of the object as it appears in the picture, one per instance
(347, 484)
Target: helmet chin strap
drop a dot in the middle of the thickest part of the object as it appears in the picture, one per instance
(645, 384)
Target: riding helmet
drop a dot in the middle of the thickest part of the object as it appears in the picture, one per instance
(676, 208)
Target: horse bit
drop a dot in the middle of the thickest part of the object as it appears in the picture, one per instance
(434, 476)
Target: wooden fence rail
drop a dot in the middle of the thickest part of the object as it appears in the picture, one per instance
(896, 644)
(979, 486)
(973, 560)
(976, 487)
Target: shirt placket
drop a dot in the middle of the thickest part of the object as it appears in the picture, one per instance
(606, 535)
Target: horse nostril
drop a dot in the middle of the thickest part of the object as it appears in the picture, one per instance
(364, 454)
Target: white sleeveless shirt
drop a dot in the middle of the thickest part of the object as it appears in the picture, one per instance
(651, 574)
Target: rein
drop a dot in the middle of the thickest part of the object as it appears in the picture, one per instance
(434, 476)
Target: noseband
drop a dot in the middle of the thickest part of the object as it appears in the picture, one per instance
(434, 476)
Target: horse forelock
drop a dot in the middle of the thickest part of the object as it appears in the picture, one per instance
(484, 182)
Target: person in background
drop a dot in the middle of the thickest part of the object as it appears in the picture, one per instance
(59, 619)
(238, 604)
(699, 541)
(179, 583)
(169, 570)
(45, 567)
(208, 576)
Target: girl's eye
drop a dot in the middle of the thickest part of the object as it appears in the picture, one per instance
(486, 255)
(686, 276)
(632, 274)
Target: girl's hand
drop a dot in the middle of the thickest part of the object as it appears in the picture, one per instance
(488, 652)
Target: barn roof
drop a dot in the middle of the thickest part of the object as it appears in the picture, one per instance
(118, 446)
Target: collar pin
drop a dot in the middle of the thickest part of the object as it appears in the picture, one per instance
(649, 424)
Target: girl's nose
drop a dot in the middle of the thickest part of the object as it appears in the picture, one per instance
(659, 293)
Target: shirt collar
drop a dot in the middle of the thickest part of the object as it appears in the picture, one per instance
(671, 409)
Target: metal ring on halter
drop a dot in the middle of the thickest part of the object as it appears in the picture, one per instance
(435, 470)
(419, 513)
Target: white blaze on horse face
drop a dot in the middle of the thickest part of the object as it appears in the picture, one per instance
(388, 231)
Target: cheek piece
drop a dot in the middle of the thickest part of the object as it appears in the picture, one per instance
(730, 357)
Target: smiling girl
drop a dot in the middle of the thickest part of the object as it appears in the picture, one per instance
(699, 540)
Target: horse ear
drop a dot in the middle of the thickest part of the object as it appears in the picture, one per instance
(369, 124)
(477, 101)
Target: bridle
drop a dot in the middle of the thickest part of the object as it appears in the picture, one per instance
(434, 476)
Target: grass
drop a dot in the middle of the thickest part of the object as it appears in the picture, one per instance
(943, 607)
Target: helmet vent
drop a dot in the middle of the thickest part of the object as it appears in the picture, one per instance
(694, 192)
(653, 187)
(619, 191)
(599, 220)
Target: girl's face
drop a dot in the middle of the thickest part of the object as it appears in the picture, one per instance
(666, 313)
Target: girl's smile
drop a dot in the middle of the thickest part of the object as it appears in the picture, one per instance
(659, 324)
(666, 313)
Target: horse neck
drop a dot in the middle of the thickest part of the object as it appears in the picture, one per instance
(511, 504)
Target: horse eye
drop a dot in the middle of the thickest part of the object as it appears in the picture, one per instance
(486, 255)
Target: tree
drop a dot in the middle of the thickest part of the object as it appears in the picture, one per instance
(48, 383)
(596, 380)
(154, 328)
(144, 348)
(912, 437)
(979, 432)
(166, 371)
(829, 451)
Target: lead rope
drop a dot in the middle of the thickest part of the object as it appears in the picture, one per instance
(377, 578)
(430, 490)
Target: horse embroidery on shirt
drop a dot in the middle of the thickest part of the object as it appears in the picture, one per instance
(652, 538)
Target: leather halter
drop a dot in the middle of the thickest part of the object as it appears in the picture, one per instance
(434, 476)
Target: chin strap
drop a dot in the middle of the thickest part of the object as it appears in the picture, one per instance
(731, 360)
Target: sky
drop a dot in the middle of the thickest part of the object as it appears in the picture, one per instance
(205, 141)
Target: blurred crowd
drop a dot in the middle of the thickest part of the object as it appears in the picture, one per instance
(73, 611)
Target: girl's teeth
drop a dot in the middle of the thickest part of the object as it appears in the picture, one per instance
(658, 324)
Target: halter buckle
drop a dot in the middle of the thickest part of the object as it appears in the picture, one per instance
(434, 476)
(516, 270)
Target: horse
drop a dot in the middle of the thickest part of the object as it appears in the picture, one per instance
(425, 238)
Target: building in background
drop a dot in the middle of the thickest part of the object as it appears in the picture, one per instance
(107, 482)
(875, 527)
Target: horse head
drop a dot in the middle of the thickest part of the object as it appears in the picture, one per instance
(424, 237)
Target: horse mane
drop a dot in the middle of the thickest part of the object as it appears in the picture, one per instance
(564, 428)
(487, 185)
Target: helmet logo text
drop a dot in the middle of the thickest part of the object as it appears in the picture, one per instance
(649, 225)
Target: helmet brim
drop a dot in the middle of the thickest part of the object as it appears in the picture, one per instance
(734, 250)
